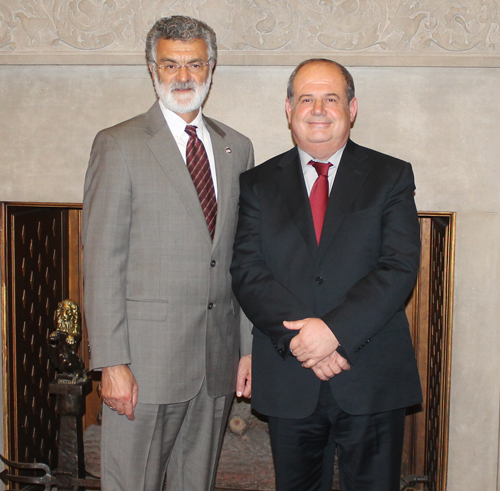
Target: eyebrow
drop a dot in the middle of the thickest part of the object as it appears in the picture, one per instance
(331, 94)
(171, 60)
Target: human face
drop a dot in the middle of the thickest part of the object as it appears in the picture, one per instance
(182, 92)
(319, 116)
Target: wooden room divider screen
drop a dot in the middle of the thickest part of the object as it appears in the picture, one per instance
(40, 266)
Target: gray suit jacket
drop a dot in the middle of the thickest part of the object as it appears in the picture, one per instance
(157, 290)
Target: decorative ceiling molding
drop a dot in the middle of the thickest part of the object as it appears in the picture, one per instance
(258, 32)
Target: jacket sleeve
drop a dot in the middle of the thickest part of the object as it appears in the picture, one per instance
(106, 218)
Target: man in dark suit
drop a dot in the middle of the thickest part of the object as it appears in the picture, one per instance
(159, 218)
(326, 253)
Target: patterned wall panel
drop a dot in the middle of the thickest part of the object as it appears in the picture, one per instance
(430, 315)
(36, 268)
(439, 350)
(249, 29)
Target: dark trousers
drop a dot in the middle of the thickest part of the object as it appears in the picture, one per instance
(369, 448)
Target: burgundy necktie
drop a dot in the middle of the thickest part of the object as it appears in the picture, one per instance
(199, 168)
(319, 196)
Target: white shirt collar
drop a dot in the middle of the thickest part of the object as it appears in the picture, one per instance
(178, 126)
(305, 158)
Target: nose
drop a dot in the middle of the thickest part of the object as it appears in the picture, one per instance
(318, 107)
(183, 74)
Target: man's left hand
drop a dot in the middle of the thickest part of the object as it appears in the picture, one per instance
(314, 342)
(331, 366)
(244, 377)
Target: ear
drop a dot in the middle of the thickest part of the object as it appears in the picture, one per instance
(353, 109)
(288, 108)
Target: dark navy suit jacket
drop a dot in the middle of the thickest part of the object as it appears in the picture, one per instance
(356, 280)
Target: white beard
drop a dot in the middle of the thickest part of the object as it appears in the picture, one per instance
(182, 103)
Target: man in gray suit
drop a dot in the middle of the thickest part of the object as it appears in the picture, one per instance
(159, 219)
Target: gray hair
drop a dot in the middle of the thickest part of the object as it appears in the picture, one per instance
(180, 28)
(349, 82)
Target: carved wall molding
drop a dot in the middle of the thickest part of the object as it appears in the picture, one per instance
(255, 32)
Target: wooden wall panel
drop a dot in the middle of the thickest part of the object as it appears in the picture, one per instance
(41, 265)
(430, 314)
(35, 266)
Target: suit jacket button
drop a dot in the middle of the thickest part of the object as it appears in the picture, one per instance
(210, 306)
(319, 280)
(213, 262)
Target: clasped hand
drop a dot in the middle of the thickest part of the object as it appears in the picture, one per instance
(315, 346)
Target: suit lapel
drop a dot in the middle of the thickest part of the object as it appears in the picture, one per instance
(289, 180)
(352, 172)
(224, 168)
(166, 151)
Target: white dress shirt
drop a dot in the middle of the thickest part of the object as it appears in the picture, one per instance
(310, 174)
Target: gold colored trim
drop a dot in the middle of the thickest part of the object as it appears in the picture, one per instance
(5, 391)
(446, 384)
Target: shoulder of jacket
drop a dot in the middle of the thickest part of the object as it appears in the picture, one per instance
(127, 125)
(224, 130)
(374, 156)
(270, 166)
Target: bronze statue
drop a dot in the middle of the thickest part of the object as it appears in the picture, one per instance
(63, 344)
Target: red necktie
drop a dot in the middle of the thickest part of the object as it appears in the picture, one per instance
(199, 168)
(319, 196)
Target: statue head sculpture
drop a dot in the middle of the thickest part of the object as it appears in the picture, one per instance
(64, 341)
(68, 321)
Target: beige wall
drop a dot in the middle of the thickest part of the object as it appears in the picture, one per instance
(414, 102)
(443, 120)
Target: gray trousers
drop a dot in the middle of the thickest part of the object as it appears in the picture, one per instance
(181, 441)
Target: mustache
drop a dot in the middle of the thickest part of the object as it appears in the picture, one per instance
(176, 85)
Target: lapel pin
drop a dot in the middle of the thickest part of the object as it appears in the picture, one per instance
(228, 150)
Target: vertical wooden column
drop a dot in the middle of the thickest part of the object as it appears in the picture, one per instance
(430, 315)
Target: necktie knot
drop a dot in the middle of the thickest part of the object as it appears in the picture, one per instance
(191, 131)
(321, 167)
